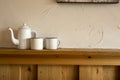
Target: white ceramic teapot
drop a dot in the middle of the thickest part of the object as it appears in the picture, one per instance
(24, 35)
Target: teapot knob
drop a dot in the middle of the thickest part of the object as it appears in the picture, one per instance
(25, 25)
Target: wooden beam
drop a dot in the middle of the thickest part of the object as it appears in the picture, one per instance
(61, 56)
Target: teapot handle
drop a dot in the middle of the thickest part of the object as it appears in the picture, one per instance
(34, 34)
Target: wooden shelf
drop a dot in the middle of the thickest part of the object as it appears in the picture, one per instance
(66, 56)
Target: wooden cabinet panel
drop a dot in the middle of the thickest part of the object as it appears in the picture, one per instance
(58, 72)
(110, 73)
(18, 72)
(9, 72)
(99, 73)
(28, 72)
(91, 73)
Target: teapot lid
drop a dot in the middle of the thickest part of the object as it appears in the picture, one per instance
(25, 26)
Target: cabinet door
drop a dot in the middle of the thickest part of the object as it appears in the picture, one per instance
(18, 72)
(99, 73)
(58, 72)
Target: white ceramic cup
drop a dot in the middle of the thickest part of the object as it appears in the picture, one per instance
(37, 43)
(52, 43)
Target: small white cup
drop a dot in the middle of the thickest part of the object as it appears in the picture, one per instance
(51, 43)
(37, 43)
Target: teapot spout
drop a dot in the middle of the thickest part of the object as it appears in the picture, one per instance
(14, 40)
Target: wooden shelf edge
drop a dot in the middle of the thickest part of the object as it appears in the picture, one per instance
(66, 56)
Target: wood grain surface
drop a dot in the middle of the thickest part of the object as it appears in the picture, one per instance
(61, 56)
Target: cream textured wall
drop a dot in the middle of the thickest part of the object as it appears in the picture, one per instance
(76, 25)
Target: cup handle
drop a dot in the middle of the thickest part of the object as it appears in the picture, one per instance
(58, 43)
